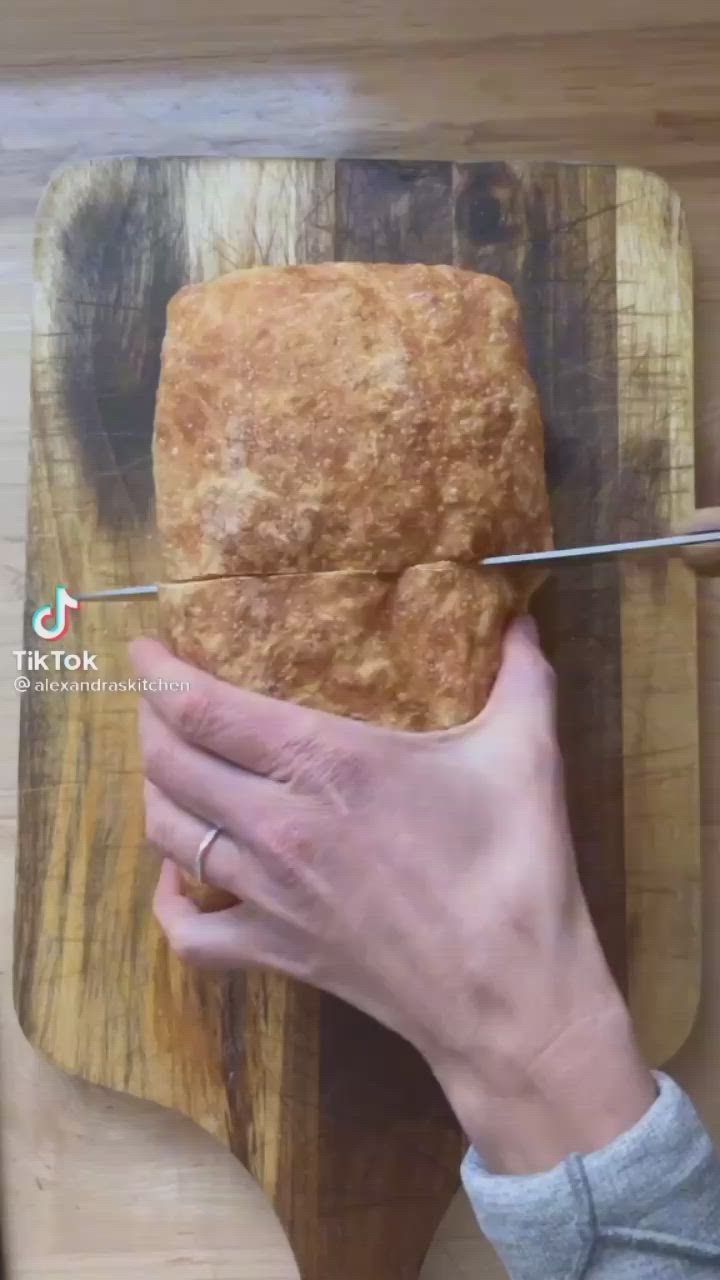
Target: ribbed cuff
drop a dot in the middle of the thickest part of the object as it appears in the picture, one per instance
(661, 1176)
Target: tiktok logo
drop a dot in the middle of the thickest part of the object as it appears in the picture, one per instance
(51, 621)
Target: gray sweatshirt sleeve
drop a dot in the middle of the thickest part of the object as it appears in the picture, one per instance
(646, 1206)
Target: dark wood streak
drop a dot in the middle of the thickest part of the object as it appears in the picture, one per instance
(234, 1012)
(298, 1199)
(124, 254)
(385, 1108)
(391, 212)
(549, 231)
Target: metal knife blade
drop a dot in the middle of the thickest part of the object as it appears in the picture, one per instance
(117, 593)
(601, 550)
(560, 555)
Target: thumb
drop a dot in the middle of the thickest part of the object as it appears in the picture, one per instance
(525, 676)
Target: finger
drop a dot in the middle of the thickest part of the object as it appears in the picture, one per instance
(205, 786)
(237, 938)
(182, 921)
(178, 835)
(237, 724)
(170, 886)
(525, 676)
(705, 558)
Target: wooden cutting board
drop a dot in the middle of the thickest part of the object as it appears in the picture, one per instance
(339, 1121)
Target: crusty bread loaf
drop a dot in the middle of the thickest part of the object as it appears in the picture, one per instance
(336, 446)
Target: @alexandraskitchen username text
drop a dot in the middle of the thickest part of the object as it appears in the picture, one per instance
(48, 684)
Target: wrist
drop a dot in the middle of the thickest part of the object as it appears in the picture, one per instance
(576, 1088)
(596, 1088)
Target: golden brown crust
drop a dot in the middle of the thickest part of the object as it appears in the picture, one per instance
(417, 651)
(343, 416)
(336, 446)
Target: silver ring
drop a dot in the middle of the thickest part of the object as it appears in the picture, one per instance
(203, 849)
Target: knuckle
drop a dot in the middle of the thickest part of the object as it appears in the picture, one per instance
(282, 836)
(348, 771)
(196, 716)
(155, 825)
(160, 827)
(297, 747)
(160, 757)
(286, 841)
(324, 766)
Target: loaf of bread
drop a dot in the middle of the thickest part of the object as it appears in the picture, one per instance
(336, 447)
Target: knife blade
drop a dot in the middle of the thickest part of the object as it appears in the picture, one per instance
(560, 555)
(600, 550)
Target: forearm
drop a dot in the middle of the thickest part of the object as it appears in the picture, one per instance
(583, 1163)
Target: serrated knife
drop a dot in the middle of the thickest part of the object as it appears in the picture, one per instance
(559, 556)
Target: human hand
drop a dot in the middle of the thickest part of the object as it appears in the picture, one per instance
(428, 879)
(704, 558)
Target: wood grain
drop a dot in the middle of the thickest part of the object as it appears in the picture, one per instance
(80, 30)
(296, 1090)
(660, 732)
